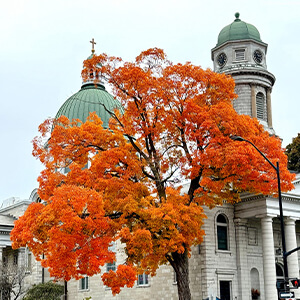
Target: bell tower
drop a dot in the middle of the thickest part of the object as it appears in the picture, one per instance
(241, 53)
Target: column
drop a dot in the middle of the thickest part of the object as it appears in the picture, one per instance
(241, 258)
(268, 258)
(253, 101)
(291, 243)
(269, 108)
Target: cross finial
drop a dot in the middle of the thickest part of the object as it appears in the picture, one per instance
(93, 45)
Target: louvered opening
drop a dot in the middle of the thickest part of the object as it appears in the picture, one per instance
(260, 106)
(240, 54)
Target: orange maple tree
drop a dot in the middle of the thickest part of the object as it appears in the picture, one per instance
(126, 182)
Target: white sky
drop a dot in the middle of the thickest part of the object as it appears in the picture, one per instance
(43, 44)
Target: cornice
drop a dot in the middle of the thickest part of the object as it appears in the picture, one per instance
(290, 197)
(285, 196)
(246, 197)
(246, 70)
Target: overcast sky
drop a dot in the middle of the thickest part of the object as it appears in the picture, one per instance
(43, 44)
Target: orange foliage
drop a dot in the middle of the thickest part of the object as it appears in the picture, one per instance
(175, 128)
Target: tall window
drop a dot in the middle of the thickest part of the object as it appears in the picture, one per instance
(84, 283)
(143, 279)
(260, 106)
(222, 232)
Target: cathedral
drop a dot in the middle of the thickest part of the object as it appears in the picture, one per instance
(241, 255)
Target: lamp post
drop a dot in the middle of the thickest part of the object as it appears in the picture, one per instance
(285, 254)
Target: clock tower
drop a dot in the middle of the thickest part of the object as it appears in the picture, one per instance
(241, 53)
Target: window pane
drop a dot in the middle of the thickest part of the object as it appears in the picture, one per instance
(222, 237)
(111, 266)
(84, 283)
(143, 279)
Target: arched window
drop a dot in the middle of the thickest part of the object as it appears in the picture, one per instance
(222, 232)
(260, 106)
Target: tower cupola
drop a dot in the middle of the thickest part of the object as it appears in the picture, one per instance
(241, 53)
(238, 30)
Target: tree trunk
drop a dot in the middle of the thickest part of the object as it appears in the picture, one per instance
(180, 264)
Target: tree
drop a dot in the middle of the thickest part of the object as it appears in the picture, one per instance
(45, 291)
(175, 128)
(11, 281)
(293, 154)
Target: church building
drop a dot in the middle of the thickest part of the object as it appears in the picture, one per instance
(241, 255)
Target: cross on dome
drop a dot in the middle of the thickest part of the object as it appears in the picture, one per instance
(93, 45)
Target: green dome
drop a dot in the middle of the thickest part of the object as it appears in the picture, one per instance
(238, 30)
(91, 98)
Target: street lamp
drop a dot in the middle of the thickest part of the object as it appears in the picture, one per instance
(285, 254)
